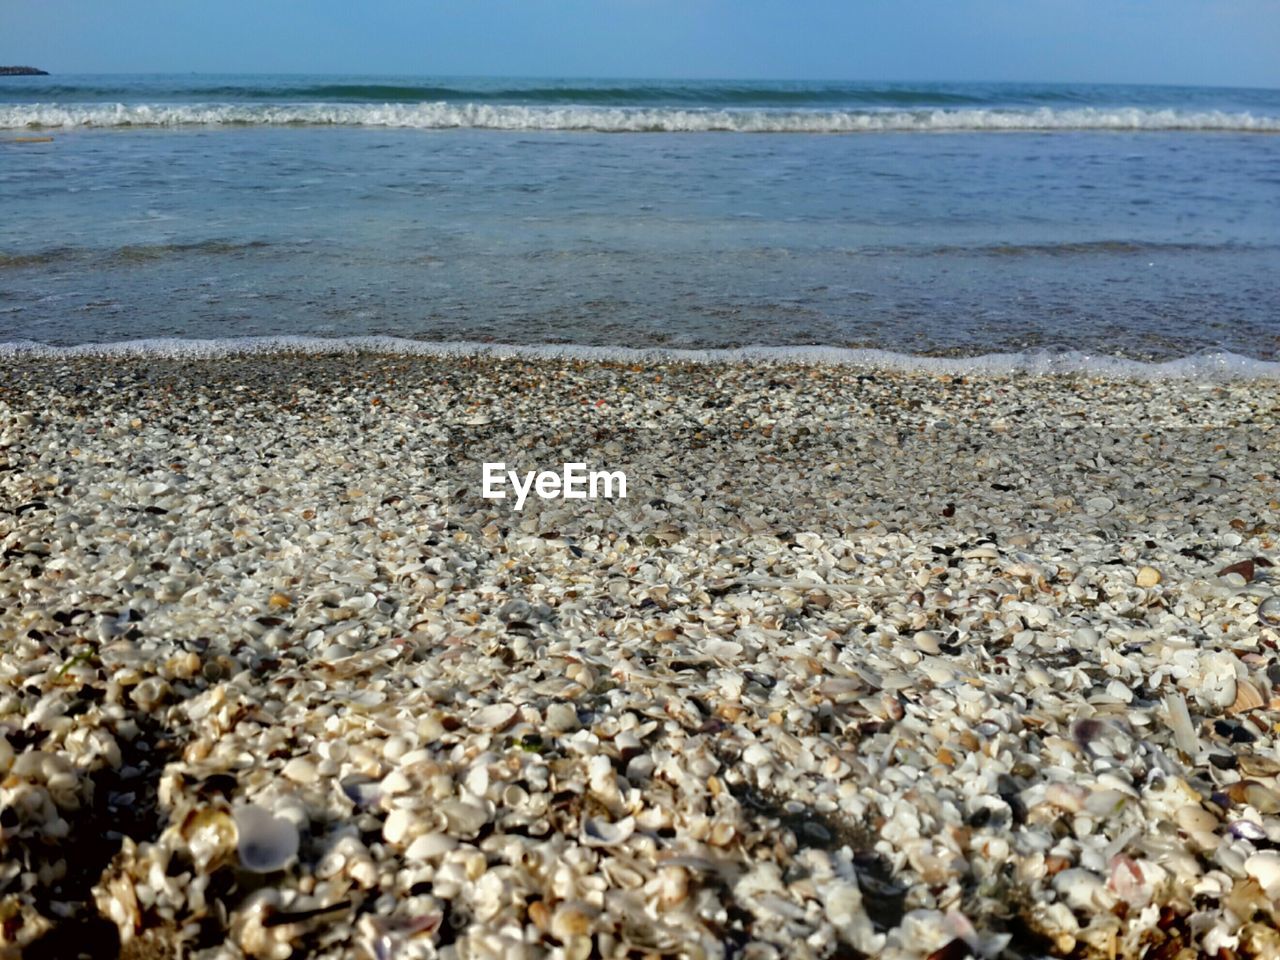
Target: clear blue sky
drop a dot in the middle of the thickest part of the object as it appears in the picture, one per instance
(1228, 42)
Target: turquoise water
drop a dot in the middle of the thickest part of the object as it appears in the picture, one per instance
(927, 218)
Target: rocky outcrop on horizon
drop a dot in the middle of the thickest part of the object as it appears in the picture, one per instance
(23, 72)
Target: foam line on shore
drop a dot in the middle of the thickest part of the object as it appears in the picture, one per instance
(1209, 365)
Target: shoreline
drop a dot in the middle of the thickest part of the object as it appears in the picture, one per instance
(1200, 365)
(894, 663)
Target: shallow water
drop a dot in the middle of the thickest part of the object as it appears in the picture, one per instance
(1138, 222)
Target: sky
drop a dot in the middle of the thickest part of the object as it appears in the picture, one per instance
(1210, 42)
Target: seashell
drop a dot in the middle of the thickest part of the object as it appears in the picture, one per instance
(1246, 830)
(562, 718)
(927, 641)
(1196, 819)
(1262, 798)
(395, 829)
(604, 833)
(572, 919)
(1245, 568)
(757, 755)
(1083, 890)
(1106, 803)
(1247, 698)
(210, 834)
(301, 770)
(673, 885)
(1184, 734)
(494, 717)
(464, 819)
(1269, 611)
(1265, 868)
(150, 693)
(387, 937)
(622, 874)
(1257, 765)
(265, 843)
(430, 845)
(362, 791)
(1148, 577)
(1098, 506)
(1067, 796)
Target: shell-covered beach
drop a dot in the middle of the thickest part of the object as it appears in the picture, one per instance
(867, 663)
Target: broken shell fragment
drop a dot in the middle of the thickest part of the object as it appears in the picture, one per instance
(604, 833)
(494, 717)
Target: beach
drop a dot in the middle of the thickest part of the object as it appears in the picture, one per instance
(868, 662)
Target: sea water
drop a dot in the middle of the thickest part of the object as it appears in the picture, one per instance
(952, 220)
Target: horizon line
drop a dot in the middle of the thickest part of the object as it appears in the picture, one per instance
(637, 78)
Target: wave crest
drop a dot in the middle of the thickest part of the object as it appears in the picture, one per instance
(444, 116)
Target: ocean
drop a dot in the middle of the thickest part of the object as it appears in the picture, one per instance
(922, 220)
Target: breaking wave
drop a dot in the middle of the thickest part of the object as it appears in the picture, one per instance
(443, 116)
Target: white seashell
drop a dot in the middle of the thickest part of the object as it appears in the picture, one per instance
(1265, 868)
(1184, 734)
(1134, 881)
(722, 649)
(927, 641)
(264, 842)
(562, 718)
(573, 920)
(601, 776)
(603, 833)
(1097, 506)
(1068, 796)
(477, 780)
(394, 783)
(395, 748)
(1086, 637)
(430, 845)
(494, 717)
(673, 885)
(395, 829)
(756, 755)
(1247, 830)
(1082, 890)
(1195, 819)
(301, 770)
(844, 905)
(464, 819)
(1269, 611)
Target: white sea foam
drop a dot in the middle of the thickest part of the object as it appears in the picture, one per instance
(1199, 366)
(440, 116)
